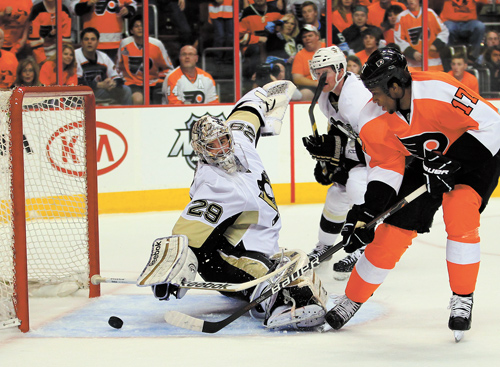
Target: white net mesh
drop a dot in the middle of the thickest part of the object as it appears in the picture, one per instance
(55, 196)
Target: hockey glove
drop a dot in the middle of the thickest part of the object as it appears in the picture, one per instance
(328, 148)
(324, 179)
(439, 172)
(354, 233)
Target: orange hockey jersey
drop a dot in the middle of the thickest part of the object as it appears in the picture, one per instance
(408, 33)
(179, 89)
(16, 23)
(253, 23)
(48, 75)
(8, 67)
(104, 17)
(130, 61)
(339, 22)
(459, 10)
(442, 110)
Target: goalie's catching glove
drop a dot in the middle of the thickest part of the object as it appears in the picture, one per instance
(328, 148)
(439, 172)
(354, 233)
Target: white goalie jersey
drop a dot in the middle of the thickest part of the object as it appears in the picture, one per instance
(241, 206)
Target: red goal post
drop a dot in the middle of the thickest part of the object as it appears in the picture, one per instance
(48, 196)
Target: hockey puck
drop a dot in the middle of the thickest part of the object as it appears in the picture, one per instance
(115, 322)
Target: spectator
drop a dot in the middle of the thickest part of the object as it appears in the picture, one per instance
(107, 17)
(220, 15)
(188, 84)
(281, 40)
(8, 65)
(175, 9)
(312, 15)
(352, 34)
(43, 29)
(295, 6)
(376, 11)
(280, 4)
(48, 72)
(491, 38)
(271, 71)
(97, 70)
(371, 39)
(389, 22)
(131, 63)
(354, 64)
(301, 74)
(253, 36)
(14, 21)
(492, 62)
(342, 14)
(408, 36)
(460, 17)
(459, 72)
(27, 74)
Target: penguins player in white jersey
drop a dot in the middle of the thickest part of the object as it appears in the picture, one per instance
(232, 221)
(342, 98)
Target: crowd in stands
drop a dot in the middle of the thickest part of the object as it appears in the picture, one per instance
(103, 43)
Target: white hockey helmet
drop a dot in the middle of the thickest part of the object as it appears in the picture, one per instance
(205, 132)
(327, 56)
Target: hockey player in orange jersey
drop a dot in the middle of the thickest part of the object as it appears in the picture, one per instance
(454, 137)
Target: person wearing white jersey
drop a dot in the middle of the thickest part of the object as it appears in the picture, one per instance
(342, 98)
(232, 221)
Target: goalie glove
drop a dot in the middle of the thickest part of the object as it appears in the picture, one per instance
(439, 172)
(354, 233)
(329, 148)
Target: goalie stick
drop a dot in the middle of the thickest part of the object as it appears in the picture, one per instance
(206, 286)
(179, 319)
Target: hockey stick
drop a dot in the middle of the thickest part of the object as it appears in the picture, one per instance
(188, 322)
(206, 286)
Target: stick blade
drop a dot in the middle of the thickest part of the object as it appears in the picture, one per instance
(184, 321)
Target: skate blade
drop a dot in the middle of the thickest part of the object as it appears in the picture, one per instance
(459, 334)
(324, 328)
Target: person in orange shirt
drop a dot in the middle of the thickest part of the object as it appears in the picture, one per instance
(389, 23)
(408, 36)
(342, 13)
(131, 64)
(301, 74)
(108, 18)
(8, 65)
(48, 72)
(460, 73)
(453, 135)
(460, 17)
(376, 11)
(14, 22)
(371, 39)
(188, 84)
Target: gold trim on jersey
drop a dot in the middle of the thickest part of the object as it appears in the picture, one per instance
(332, 217)
(246, 116)
(250, 266)
(196, 231)
(235, 233)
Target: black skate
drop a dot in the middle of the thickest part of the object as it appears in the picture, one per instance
(339, 315)
(342, 269)
(318, 250)
(461, 314)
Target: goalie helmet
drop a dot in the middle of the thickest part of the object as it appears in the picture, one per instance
(383, 67)
(327, 56)
(212, 142)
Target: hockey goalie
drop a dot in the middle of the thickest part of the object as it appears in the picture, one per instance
(229, 230)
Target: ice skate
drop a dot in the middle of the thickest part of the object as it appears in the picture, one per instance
(318, 250)
(301, 318)
(343, 311)
(342, 269)
(461, 315)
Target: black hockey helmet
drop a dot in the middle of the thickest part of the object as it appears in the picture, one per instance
(384, 67)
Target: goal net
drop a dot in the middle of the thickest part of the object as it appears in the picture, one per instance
(48, 197)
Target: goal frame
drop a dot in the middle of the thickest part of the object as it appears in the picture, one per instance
(18, 190)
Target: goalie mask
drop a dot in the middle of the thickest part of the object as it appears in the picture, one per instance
(212, 142)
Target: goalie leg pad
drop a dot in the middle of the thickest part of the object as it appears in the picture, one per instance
(302, 303)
